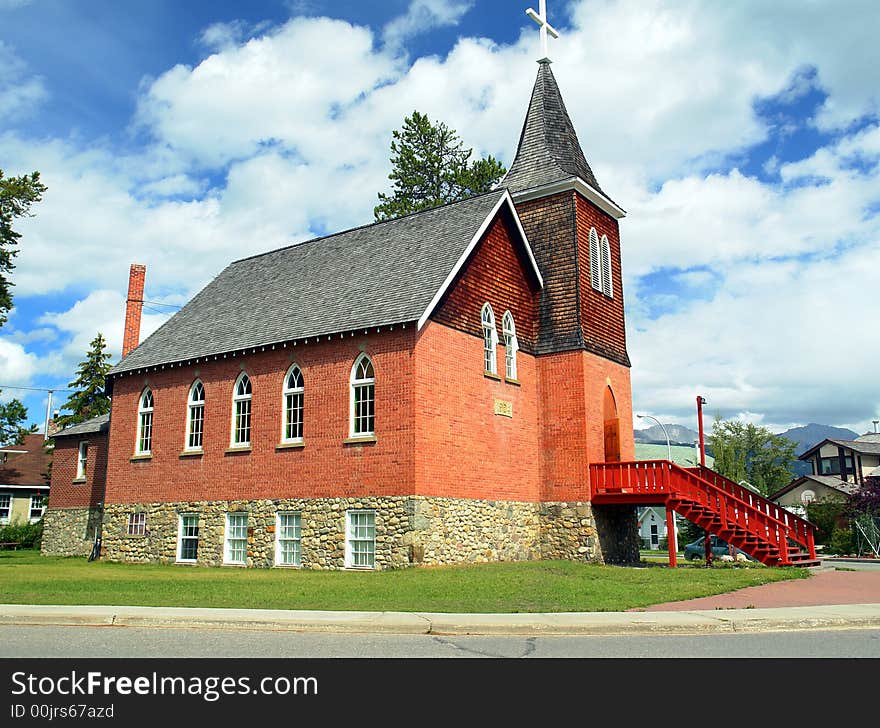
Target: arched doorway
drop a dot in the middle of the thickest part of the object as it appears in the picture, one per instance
(612, 427)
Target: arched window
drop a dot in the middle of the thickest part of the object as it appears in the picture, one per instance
(595, 260)
(363, 410)
(490, 339)
(511, 345)
(607, 288)
(195, 416)
(145, 423)
(292, 429)
(241, 412)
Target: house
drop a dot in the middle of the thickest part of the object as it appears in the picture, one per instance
(24, 480)
(79, 475)
(840, 467)
(426, 390)
(652, 526)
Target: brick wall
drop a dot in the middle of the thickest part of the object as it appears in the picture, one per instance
(324, 467)
(66, 490)
(463, 449)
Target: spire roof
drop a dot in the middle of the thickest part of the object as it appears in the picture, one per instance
(548, 150)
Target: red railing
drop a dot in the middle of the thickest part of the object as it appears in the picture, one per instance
(732, 503)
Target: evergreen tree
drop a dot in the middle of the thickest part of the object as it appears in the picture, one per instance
(17, 194)
(12, 416)
(88, 398)
(430, 167)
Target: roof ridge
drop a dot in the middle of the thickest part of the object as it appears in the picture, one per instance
(367, 225)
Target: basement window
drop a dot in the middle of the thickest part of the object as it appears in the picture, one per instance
(360, 539)
(288, 530)
(235, 551)
(188, 538)
(137, 524)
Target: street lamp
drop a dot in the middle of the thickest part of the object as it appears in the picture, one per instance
(662, 427)
(671, 533)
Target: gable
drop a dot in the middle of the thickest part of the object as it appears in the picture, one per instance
(498, 271)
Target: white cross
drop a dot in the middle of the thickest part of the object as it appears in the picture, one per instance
(541, 19)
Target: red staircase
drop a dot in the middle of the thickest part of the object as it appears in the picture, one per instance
(764, 530)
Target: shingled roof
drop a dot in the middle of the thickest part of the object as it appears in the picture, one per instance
(548, 149)
(377, 275)
(98, 424)
(26, 464)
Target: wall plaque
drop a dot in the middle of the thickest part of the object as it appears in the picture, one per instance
(503, 408)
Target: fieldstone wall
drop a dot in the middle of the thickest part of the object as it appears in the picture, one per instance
(409, 530)
(458, 530)
(618, 530)
(69, 531)
(322, 531)
(568, 531)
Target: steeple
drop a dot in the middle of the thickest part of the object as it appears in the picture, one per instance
(548, 149)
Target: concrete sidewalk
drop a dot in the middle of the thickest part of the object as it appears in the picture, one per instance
(707, 621)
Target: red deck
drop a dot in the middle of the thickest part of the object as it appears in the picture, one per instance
(750, 522)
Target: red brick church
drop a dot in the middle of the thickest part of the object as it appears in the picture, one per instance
(426, 390)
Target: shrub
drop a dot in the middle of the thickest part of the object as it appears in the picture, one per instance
(842, 541)
(826, 516)
(26, 535)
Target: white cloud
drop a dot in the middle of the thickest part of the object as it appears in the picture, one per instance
(17, 366)
(424, 15)
(294, 124)
(20, 92)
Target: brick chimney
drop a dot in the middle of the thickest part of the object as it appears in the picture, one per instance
(133, 307)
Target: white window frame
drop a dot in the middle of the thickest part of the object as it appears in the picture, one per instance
(607, 286)
(353, 536)
(358, 383)
(289, 398)
(82, 460)
(595, 261)
(511, 345)
(145, 423)
(195, 413)
(281, 537)
(31, 517)
(239, 403)
(181, 536)
(7, 497)
(239, 537)
(137, 523)
(490, 339)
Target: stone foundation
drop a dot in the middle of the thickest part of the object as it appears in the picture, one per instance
(69, 531)
(409, 530)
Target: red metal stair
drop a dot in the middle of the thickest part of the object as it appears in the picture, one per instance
(764, 530)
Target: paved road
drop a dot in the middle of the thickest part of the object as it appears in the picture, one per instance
(54, 641)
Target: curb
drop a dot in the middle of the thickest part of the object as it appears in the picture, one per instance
(722, 621)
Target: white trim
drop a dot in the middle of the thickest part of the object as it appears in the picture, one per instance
(236, 399)
(278, 515)
(227, 539)
(25, 487)
(192, 404)
(82, 460)
(348, 538)
(198, 538)
(573, 183)
(353, 383)
(141, 411)
(470, 248)
(287, 392)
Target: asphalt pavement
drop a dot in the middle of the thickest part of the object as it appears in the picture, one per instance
(838, 595)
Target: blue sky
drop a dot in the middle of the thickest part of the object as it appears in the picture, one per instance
(742, 139)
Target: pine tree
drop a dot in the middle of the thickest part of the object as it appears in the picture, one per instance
(88, 398)
(430, 167)
(17, 194)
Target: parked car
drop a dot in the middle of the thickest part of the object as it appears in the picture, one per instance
(696, 551)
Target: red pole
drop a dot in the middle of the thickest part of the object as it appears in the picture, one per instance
(671, 540)
(700, 402)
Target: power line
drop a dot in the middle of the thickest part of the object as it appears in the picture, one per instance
(35, 389)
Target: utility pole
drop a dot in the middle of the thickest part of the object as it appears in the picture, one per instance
(48, 413)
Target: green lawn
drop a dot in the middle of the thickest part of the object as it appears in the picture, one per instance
(535, 586)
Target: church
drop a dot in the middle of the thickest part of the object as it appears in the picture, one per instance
(426, 390)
